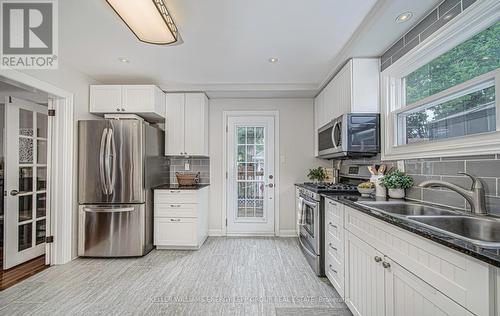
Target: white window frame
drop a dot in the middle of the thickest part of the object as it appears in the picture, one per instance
(475, 19)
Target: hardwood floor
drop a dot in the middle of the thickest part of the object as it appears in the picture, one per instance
(227, 276)
(23, 271)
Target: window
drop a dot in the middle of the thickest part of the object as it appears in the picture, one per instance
(441, 99)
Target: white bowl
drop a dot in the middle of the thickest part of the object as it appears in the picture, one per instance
(366, 192)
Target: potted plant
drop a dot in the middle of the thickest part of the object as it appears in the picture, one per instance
(397, 182)
(317, 174)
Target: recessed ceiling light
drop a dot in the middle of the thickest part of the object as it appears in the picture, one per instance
(485, 57)
(404, 17)
(273, 60)
(124, 60)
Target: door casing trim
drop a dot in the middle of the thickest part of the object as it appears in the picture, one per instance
(60, 192)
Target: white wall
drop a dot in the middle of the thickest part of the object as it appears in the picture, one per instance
(296, 145)
(77, 83)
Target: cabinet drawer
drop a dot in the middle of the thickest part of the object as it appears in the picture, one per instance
(334, 247)
(334, 209)
(334, 271)
(334, 226)
(175, 210)
(175, 197)
(175, 231)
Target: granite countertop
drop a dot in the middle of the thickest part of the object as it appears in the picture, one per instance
(491, 256)
(178, 187)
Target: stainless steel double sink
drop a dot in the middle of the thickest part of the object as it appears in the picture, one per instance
(482, 231)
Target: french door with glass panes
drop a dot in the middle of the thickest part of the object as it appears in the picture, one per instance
(250, 184)
(26, 135)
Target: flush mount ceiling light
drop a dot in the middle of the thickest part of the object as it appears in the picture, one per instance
(149, 20)
(404, 17)
(124, 60)
(273, 60)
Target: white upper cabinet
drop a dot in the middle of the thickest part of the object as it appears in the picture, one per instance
(147, 101)
(355, 89)
(186, 124)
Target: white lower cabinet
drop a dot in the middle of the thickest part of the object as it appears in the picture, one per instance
(176, 232)
(364, 292)
(180, 218)
(389, 271)
(406, 294)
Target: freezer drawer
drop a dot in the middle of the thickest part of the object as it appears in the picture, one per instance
(112, 231)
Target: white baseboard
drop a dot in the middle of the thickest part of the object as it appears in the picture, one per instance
(215, 232)
(288, 233)
(250, 234)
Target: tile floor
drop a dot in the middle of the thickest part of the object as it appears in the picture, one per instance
(227, 276)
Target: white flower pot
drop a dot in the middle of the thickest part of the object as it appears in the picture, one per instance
(397, 193)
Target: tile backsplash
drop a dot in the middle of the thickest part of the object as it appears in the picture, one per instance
(486, 167)
(198, 164)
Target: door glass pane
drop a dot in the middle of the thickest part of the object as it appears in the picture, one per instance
(41, 125)
(259, 135)
(25, 207)
(41, 153)
(41, 205)
(25, 179)
(40, 232)
(241, 135)
(250, 175)
(25, 123)
(25, 150)
(25, 236)
(41, 178)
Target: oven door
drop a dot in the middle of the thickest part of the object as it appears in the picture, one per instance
(309, 226)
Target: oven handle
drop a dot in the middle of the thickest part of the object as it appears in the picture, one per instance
(311, 204)
(306, 249)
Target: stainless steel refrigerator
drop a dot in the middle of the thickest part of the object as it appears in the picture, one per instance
(119, 162)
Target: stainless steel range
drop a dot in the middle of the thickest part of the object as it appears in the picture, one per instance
(311, 215)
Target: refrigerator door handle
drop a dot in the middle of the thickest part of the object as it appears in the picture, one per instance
(104, 185)
(107, 161)
(112, 170)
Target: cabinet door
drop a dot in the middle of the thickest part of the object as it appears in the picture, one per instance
(105, 98)
(343, 90)
(407, 294)
(175, 232)
(174, 125)
(318, 103)
(364, 278)
(138, 98)
(195, 128)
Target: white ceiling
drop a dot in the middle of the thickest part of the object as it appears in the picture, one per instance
(227, 43)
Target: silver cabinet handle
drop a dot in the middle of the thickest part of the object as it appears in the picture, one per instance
(331, 246)
(14, 192)
(334, 226)
(331, 203)
(172, 205)
(377, 259)
(178, 191)
(386, 265)
(334, 271)
(175, 219)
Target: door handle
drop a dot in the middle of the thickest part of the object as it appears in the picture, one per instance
(104, 185)
(14, 192)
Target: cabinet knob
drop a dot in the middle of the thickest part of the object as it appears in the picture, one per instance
(331, 246)
(386, 265)
(123, 109)
(14, 192)
(118, 109)
(377, 259)
(334, 271)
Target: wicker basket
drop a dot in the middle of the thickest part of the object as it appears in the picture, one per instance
(188, 178)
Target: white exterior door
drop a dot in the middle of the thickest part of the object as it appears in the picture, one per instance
(250, 175)
(26, 136)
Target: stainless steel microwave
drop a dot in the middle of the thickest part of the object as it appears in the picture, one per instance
(351, 135)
